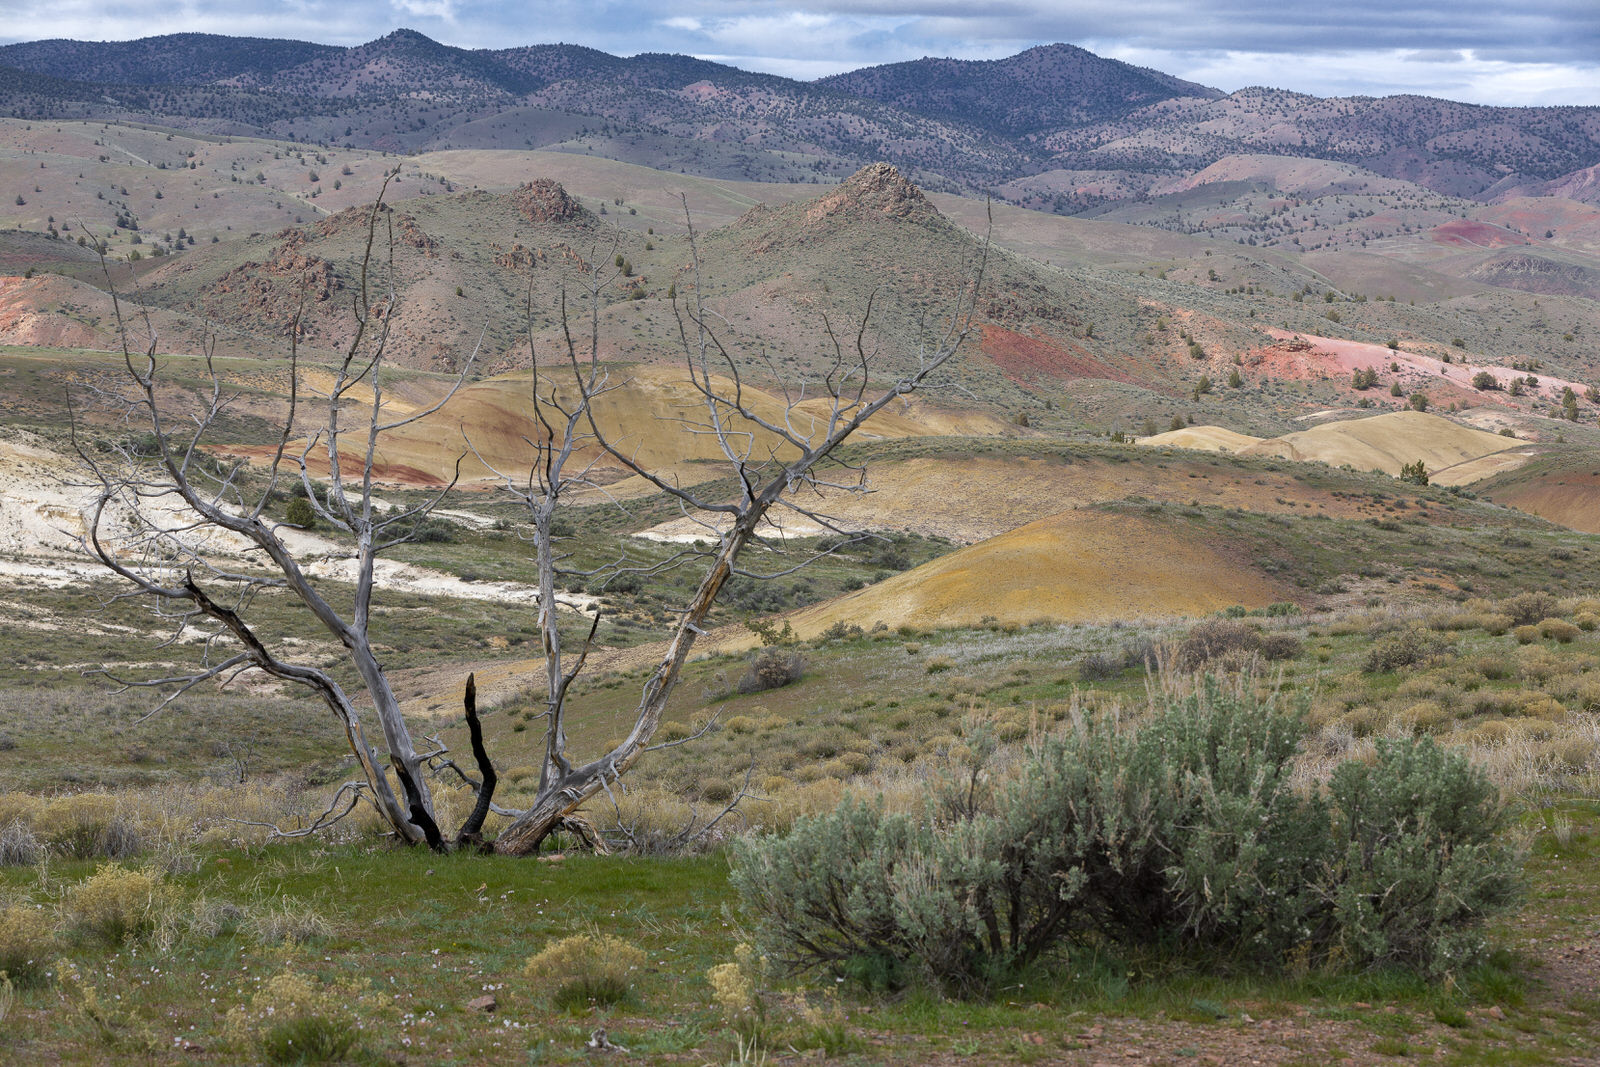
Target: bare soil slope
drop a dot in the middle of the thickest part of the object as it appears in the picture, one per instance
(1387, 443)
(651, 413)
(970, 498)
(1079, 566)
(1202, 438)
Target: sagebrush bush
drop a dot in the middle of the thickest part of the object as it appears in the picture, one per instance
(1099, 666)
(1214, 639)
(1406, 648)
(584, 971)
(26, 941)
(19, 845)
(1529, 607)
(1417, 863)
(736, 988)
(286, 919)
(1277, 646)
(1494, 624)
(1424, 716)
(116, 903)
(1184, 831)
(772, 668)
(1559, 630)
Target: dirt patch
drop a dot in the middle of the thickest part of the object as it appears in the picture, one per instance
(53, 312)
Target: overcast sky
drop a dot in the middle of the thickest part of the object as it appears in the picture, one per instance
(1485, 51)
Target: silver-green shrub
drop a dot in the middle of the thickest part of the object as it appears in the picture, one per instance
(1184, 831)
(1416, 860)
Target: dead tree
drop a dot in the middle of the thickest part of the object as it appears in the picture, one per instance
(782, 462)
(158, 520)
(168, 520)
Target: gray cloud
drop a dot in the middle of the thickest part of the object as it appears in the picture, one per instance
(1549, 49)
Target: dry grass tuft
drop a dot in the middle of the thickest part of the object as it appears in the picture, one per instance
(27, 939)
(586, 971)
(115, 903)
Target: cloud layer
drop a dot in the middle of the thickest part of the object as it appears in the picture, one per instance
(1533, 52)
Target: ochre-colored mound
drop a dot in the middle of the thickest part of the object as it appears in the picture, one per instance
(653, 414)
(1387, 443)
(1079, 566)
(970, 498)
(1203, 439)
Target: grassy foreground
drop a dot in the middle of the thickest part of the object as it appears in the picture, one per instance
(421, 936)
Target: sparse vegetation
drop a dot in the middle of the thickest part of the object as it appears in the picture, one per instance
(1430, 628)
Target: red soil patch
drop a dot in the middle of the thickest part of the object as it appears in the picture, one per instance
(1023, 358)
(1465, 233)
(1302, 356)
(390, 474)
(1295, 360)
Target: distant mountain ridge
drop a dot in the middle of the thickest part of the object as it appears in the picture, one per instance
(1041, 89)
(173, 59)
(1050, 127)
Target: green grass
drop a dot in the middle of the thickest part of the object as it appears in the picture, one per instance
(432, 932)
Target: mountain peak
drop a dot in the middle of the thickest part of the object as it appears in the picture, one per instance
(877, 188)
(405, 34)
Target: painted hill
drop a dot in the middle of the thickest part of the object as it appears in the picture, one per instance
(1078, 566)
(652, 413)
(1203, 439)
(1387, 443)
(1452, 453)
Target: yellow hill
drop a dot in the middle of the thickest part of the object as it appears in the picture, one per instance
(1202, 438)
(653, 414)
(968, 498)
(1387, 443)
(1476, 470)
(1078, 566)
